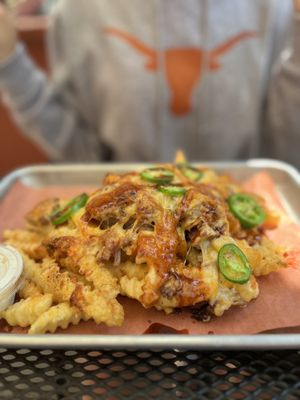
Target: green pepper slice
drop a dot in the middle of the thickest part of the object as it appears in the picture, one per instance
(246, 210)
(233, 264)
(172, 191)
(63, 215)
(190, 172)
(160, 176)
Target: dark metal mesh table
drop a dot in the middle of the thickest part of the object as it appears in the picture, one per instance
(113, 375)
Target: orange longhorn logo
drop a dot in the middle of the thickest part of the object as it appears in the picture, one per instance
(183, 65)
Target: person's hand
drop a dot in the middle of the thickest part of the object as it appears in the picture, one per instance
(297, 5)
(8, 34)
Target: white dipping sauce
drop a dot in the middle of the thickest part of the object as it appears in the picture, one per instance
(11, 268)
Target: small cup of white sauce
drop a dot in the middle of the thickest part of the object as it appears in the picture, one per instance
(11, 268)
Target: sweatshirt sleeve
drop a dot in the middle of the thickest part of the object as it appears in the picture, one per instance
(282, 136)
(42, 110)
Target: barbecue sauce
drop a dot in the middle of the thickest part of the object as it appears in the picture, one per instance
(157, 328)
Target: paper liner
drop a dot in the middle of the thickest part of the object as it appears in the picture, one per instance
(276, 307)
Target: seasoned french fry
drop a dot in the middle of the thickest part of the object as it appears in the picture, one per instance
(65, 288)
(264, 259)
(29, 289)
(97, 307)
(25, 312)
(22, 236)
(59, 316)
(79, 257)
(28, 242)
(48, 277)
(98, 276)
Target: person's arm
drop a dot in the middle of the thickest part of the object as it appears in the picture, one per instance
(40, 106)
(282, 138)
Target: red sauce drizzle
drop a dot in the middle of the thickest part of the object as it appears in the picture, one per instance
(157, 328)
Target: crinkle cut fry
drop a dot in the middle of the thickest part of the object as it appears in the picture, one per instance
(48, 277)
(79, 257)
(59, 316)
(29, 289)
(28, 242)
(97, 307)
(99, 277)
(22, 236)
(66, 289)
(26, 312)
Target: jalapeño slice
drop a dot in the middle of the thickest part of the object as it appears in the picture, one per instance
(246, 210)
(66, 212)
(160, 176)
(233, 264)
(190, 172)
(172, 191)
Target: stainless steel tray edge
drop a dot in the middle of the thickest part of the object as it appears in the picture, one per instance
(200, 342)
(21, 173)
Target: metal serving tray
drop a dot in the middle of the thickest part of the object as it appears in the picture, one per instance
(287, 181)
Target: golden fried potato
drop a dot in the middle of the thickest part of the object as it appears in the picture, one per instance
(60, 316)
(39, 219)
(266, 257)
(29, 289)
(28, 242)
(25, 312)
(65, 288)
(80, 257)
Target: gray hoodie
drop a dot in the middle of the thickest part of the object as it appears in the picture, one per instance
(136, 80)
